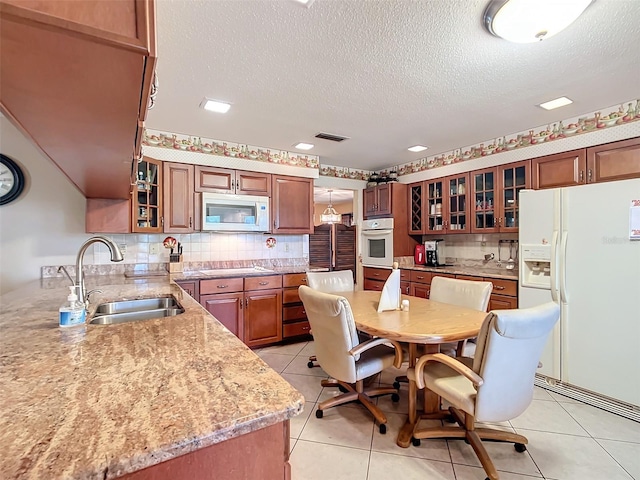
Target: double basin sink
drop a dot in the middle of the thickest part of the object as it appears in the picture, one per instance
(136, 310)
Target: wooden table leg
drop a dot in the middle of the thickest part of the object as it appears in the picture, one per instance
(406, 432)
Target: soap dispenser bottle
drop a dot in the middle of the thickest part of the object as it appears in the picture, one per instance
(73, 312)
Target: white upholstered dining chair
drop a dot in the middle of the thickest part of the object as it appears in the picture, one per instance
(496, 385)
(462, 293)
(336, 281)
(341, 354)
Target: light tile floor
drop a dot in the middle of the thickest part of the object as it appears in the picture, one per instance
(568, 440)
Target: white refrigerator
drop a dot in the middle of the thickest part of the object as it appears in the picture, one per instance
(576, 248)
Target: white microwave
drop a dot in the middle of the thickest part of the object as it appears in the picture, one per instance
(234, 213)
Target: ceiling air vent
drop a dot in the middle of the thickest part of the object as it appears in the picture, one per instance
(333, 138)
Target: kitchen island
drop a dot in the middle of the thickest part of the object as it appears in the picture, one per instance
(166, 398)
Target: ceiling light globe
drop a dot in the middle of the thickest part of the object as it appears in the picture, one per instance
(526, 21)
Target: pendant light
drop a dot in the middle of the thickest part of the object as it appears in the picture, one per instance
(330, 215)
(524, 21)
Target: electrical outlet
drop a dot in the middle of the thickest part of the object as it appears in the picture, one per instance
(154, 249)
(286, 247)
(123, 248)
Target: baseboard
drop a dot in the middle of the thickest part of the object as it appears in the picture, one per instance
(609, 404)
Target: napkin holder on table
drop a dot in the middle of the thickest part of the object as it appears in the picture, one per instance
(390, 296)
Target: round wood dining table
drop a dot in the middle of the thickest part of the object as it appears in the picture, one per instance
(426, 323)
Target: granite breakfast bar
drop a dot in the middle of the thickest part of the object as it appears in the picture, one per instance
(164, 398)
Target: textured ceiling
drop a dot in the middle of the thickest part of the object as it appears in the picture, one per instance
(386, 73)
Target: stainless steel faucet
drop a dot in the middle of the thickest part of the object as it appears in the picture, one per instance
(116, 256)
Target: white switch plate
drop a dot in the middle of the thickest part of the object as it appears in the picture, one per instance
(123, 248)
(154, 249)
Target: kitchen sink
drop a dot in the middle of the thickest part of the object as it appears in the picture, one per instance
(136, 310)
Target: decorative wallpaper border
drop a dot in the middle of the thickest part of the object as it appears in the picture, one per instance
(587, 123)
(190, 143)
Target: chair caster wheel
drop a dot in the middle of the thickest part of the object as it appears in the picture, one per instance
(395, 397)
(382, 428)
(310, 365)
(415, 442)
(319, 413)
(396, 385)
(342, 389)
(520, 447)
(449, 419)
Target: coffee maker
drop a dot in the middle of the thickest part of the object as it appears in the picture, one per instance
(435, 252)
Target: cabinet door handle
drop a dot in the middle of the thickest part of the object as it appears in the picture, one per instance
(304, 311)
(274, 224)
(498, 287)
(376, 274)
(589, 176)
(581, 179)
(162, 221)
(246, 302)
(419, 277)
(263, 283)
(223, 286)
(304, 280)
(190, 222)
(306, 328)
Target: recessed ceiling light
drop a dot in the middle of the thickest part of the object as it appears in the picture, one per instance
(304, 146)
(417, 148)
(306, 3)
(215, 105)
(557, 103)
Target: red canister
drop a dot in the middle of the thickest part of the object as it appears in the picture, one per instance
(419, 255)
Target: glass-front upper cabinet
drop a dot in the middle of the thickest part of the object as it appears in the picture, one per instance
(147, 197)
(514, 178)
(496, 194)
(457, 204)
(435, 205)
(484, 201)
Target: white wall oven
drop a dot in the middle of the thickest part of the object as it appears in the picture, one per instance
(234, 213)
(377, 242)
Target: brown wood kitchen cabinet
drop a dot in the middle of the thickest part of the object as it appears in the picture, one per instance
(374, 278)
(97, 59)
(291, 204)
(601, 163)
(504, 295)
(224, 299)
(439, 206)
(495, 197)
(263, 310)
(386, 200)
(294, 318)
(179, 213)
(223, 180)
(191, 287)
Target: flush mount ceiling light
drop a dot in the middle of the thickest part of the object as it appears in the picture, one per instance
(330, 215)
(306, 3)
(525, 21)
(417, 148)
(557, 103)
(215, 105)
(304, 146)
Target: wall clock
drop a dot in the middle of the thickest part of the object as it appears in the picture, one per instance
(11, 180)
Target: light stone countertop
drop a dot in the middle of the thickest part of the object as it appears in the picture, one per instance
(100, 401)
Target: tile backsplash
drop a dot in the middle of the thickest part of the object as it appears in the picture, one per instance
(202, 247)
(475, 247)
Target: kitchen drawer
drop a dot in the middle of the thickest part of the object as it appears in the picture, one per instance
(420, 277)
(262, 283)
(405, 288)
(502, 302)
(375, 285)
(405, 275)
(294, 279)
(296, 329)
(221, 285)
(447, 275)
(290, 295)
(376, 273)
(504, 287)
(470, 278)
(293, 313)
